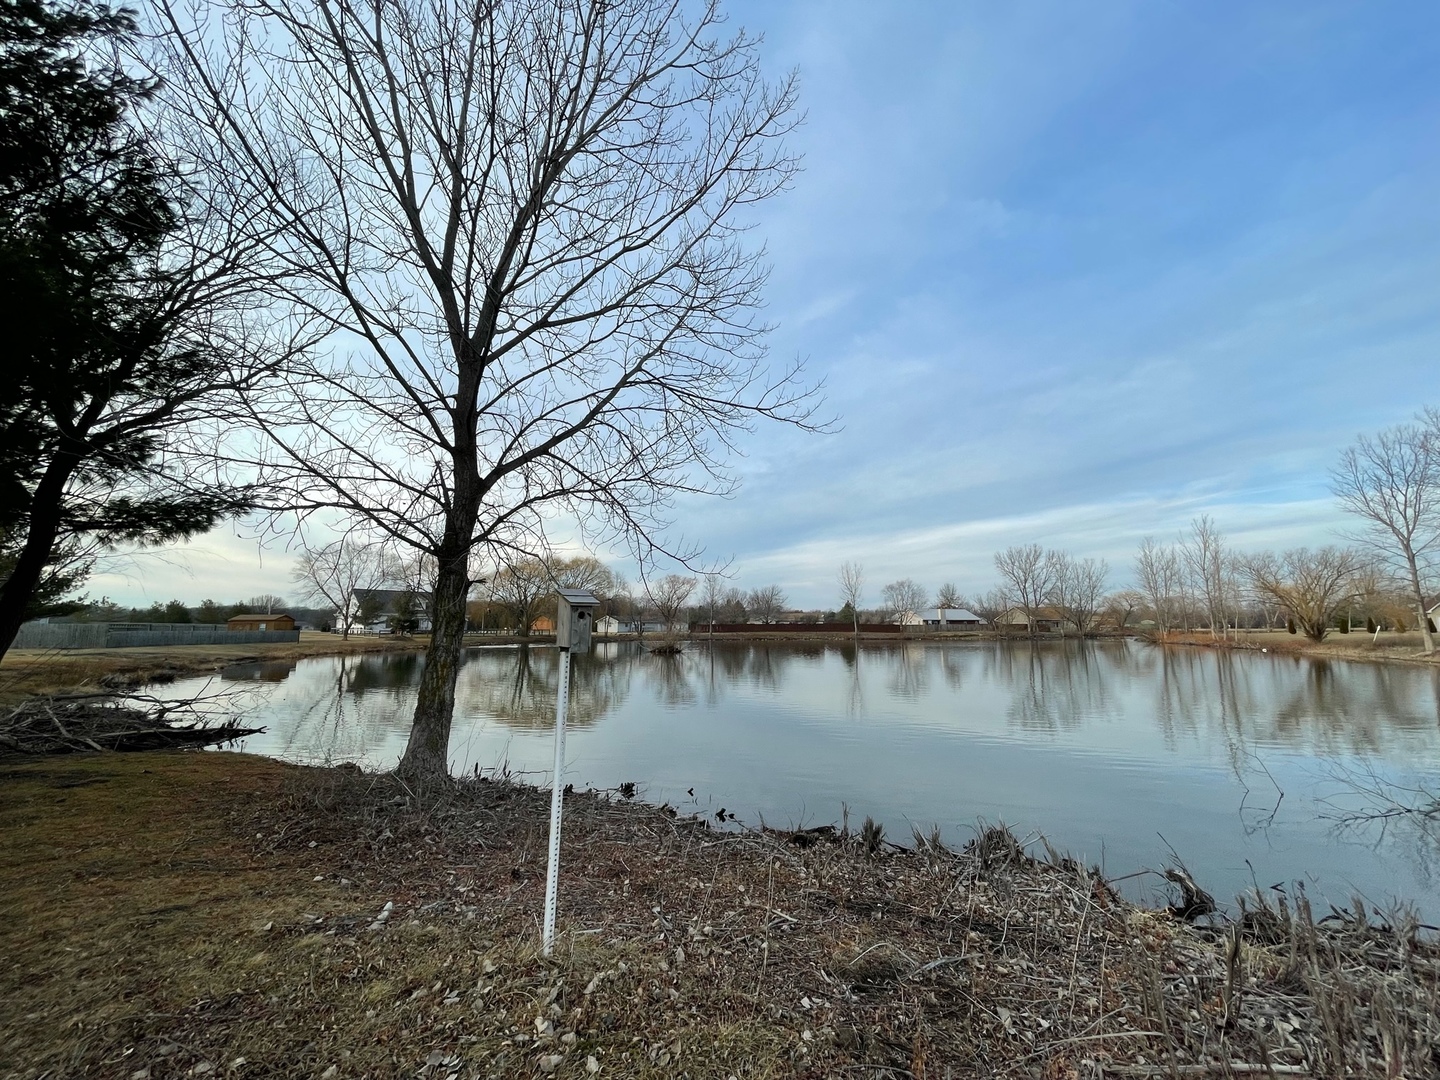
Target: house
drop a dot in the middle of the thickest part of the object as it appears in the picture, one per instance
(951, 619)
(609, 626)
(1044, 619)
(375, 610)
(542, 624)
(260, 622)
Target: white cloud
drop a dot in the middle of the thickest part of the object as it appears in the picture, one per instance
(221, 565)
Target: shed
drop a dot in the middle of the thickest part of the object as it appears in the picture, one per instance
(261, 621)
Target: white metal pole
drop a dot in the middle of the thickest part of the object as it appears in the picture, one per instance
(557, 793)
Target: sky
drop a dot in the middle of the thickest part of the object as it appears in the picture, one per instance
(1071, 274)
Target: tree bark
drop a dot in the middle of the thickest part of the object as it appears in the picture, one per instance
(42, 529)
(427, 754)
(1411, 563)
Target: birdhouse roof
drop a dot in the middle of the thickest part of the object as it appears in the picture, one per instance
(578, 597)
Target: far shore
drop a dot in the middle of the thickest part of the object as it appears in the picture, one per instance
(1388, 647)
(28, 673)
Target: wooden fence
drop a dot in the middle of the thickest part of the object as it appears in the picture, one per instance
(38, 635)
(800, 628)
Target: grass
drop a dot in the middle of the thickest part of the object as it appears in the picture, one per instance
(1356, 645)
(27, 673)
(190, 914)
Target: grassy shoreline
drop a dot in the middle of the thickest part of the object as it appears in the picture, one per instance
(185, 914)
(1390, 647)
(29, 673)
(26, 673)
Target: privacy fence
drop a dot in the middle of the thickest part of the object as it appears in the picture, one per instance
(37, 635)
(799, 628)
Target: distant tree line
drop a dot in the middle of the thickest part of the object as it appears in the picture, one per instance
(207, 611)
(1381, 578)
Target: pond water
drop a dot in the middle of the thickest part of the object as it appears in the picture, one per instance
(1244, 764)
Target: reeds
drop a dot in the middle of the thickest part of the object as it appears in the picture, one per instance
(989, 961)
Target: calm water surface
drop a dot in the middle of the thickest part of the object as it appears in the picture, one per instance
(1245, 764)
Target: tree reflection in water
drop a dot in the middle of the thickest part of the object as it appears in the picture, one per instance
(518, 686)
(1055, 686)
(1120, 727)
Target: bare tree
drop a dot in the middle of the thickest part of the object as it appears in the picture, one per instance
(1392, 483)
(1079, 586)
(1123, 604)
(732, 607)
(766, 603)
(670, 594)
(1312, 586)
(1030, 573)
(1157, 568)
(1206, 564)
(524, 220)
(711, 599)
(526, 587)
(332, 573)
(950, 597)
(583, 572)
(904, 599)
(267, 603)
(520, 588)
(993, 604)
(852, 588)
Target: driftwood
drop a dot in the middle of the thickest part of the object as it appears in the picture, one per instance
(1195, 902)
(95, 723)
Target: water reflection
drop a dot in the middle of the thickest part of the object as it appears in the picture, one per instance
(1231, 756)
(1316, 706)
(517, 687)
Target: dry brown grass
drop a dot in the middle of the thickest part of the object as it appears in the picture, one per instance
(26, 673)
(1356, 645)
(172, 912)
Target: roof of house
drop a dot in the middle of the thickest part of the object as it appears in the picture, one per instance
(1044, 614)
(386, 597)
(259, 616)
(951, 615)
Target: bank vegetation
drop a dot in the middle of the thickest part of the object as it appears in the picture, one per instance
(186, 914)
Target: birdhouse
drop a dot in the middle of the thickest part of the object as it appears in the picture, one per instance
(575, 619)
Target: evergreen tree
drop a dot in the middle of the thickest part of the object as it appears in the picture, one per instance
(107, 348)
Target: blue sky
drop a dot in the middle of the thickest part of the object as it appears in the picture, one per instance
(1072, 274)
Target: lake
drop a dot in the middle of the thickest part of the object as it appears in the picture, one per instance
(1245, 764)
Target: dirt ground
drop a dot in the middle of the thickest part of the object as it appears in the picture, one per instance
(188, 914)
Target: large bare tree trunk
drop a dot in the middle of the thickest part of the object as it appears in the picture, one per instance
(427, 754)
(1419, 594)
